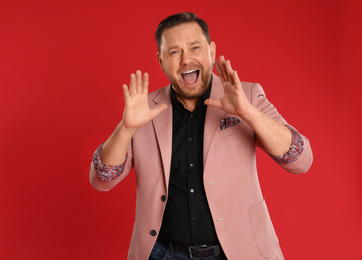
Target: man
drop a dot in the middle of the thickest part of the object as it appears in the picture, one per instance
(192, 144)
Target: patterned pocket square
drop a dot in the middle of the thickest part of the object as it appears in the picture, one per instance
(229, 122)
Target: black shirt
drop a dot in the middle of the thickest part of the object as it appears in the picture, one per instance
(187, 217)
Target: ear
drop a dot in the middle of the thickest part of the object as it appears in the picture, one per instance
(213, 51)
(160, 60)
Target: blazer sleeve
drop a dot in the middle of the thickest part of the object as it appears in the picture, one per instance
(300, 156)
(103, 177)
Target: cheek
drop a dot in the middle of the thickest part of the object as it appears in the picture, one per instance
(208, 64)
(208, 59)
(169, 67)
(173, 72)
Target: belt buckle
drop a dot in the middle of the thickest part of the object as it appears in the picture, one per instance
(194, 247)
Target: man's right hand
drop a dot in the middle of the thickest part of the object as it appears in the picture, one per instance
(137, 113)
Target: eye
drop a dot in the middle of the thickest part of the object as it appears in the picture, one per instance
(173, 52)
(195, 48)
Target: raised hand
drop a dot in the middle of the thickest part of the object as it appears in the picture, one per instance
(137, 112)
(234, 100)
(275, 137)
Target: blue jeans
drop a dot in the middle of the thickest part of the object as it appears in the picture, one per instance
(160, 252)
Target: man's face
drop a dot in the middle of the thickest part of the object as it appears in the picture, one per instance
(187, 59)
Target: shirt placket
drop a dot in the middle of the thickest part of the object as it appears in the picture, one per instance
(193, 190)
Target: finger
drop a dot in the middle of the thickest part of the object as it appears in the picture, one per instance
(223, 67)
(125, 91)
(138, 81)
(236, 79)
(132, 84)
(145, 83)
(213, 103)
(156, 111)
(229, 72)
(219, 71)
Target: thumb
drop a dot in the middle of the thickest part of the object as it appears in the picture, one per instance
(156, 111)
(213, 103)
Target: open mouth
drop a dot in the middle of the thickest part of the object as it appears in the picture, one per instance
(190, 77)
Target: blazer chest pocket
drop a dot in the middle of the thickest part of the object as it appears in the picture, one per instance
(233, 129)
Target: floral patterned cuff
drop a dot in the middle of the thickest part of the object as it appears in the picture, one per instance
(296, 149)
(106, 173)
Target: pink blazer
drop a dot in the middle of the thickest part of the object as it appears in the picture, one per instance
(238, 208)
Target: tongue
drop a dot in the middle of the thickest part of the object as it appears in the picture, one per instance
(190, 78)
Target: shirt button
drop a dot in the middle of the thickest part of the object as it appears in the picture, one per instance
(192, 115)
(192, 165)
(193, 218)
(190, 139)
(153, 232)
(192, 190)
(163, 197)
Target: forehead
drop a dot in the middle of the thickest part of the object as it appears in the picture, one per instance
(182, 34)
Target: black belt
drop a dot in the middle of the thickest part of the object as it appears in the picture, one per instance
(194, 252)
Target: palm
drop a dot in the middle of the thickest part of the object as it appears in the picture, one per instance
(234, 100)
(137, 112)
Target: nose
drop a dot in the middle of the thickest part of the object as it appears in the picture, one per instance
(186, 58)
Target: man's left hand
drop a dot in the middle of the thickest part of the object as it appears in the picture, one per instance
(234, 101)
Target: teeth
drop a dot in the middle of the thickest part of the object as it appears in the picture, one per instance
(190, 71)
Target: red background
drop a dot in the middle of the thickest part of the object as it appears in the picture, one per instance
(62, 64)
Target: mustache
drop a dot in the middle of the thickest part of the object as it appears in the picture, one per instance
(188, 68)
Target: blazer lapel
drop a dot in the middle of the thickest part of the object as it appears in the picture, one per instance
(213, 115)
(163, 128)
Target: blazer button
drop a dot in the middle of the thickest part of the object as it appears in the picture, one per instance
(163, 197)
(153, 232)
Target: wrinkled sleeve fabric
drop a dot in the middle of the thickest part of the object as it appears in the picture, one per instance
(299, 158)
(104, 177)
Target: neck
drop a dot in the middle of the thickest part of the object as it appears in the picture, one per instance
(189, 104)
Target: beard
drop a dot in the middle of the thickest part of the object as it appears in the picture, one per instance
(194, 92)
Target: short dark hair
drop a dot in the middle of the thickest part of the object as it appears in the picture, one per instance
(178, 19)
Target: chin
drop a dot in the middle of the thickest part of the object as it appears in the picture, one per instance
(191, 92)
(194, 92)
